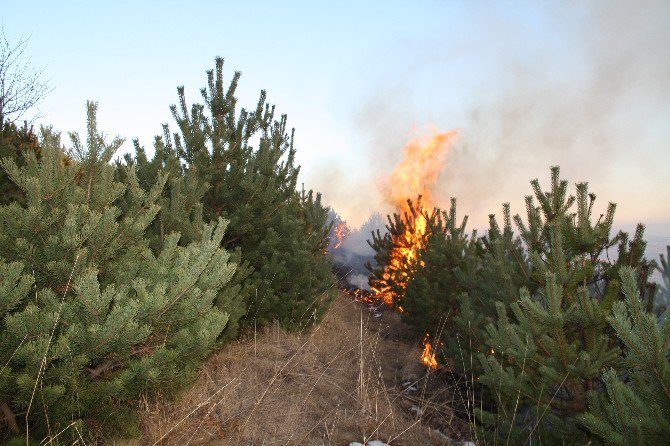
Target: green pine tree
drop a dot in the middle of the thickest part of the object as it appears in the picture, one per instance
(634, 410)
(495, 268)
(181, 210)
(91, 319)
(243, 163)
(15, 143)
(662, 302)
(430, 298)
(181, 207)
(548, 349)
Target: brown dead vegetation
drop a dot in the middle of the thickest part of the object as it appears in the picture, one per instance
(341, 381)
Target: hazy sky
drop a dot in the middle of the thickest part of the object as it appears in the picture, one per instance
(585, 85)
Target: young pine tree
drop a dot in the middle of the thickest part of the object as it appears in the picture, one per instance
(494, 270)
(662, 302)
(637, 410)
(244, 162)
(90, 318)
(181, 210)
(549, 348)
(430, 299)
(15, 143)
(180, 203)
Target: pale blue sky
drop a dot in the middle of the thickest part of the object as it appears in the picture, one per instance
(529, 84)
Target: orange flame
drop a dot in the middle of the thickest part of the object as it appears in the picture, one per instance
(417, 173)
(414, 177)
(428, 354)
(341, 232)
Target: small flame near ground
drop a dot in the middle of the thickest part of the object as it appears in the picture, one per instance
(428, 354)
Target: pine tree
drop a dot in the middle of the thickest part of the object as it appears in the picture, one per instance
(635, 410)
(662, 302)
(548, 349)
(15, 143)
(181, 207)
(495, 268)
(430, 299)
(181, 210)
(280, 233)
(312, 261)
(91, 318)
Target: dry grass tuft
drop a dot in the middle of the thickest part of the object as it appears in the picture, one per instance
(340, 382)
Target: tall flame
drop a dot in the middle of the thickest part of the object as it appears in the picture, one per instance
(414, 177)
(417, 173)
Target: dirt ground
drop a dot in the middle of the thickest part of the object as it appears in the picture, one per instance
(353, 377)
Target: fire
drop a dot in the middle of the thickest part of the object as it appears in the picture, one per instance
(428, 354)
(414, 177)
(341, 231)
(417, 173)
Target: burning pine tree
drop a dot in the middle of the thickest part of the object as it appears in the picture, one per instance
(396, 251)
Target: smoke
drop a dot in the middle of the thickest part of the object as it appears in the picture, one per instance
(354, 186)
(592, 117)
(351, 253)
(585, 86)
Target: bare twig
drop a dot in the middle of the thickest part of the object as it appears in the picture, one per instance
(20, 85)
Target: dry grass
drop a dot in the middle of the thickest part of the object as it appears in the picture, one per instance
(340, 382)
